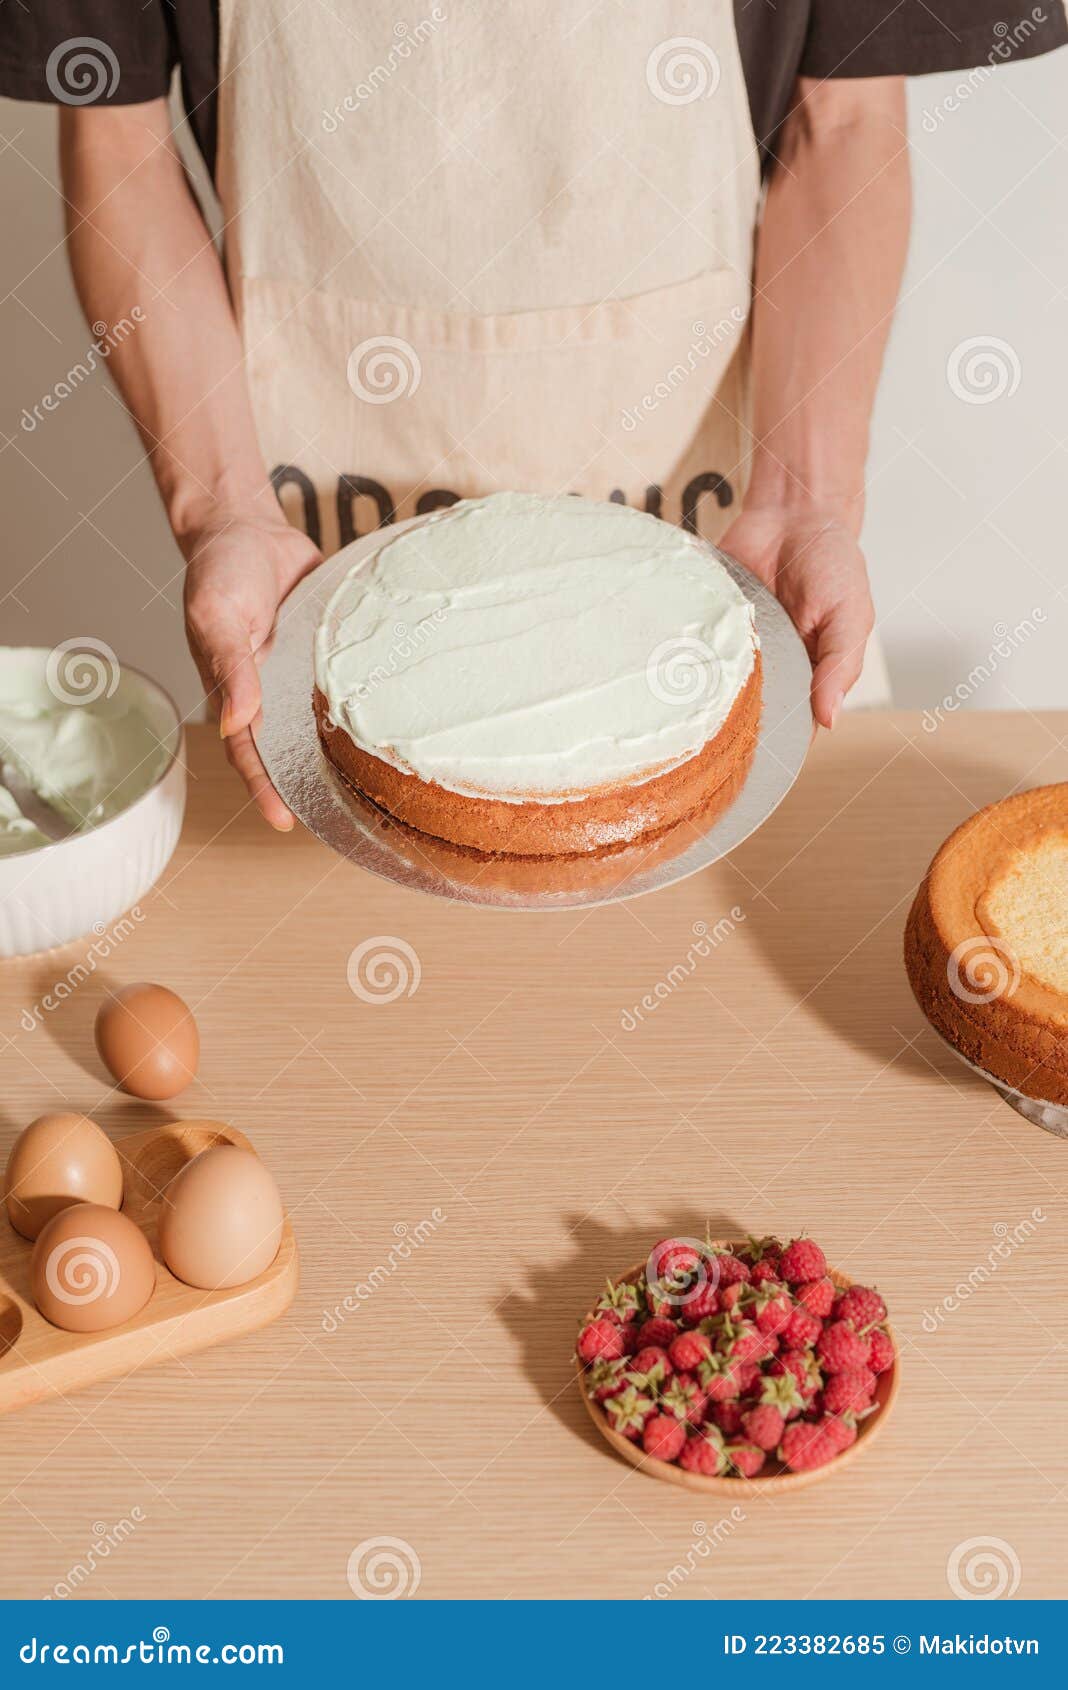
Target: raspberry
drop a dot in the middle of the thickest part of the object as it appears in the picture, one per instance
(659, 1306)
(763, 1425)
(628, 1412)
(783, 1392)
(699, 1304)
(606, 1379)
(764, 1269)
(802, 1260)
(842, 1433)
(862, 1306)
(728, 1417)
(802, 1329)
(748, 1345)
(704, 1454)
(719, 1379)
(800, 1365)
(738, 1339)
(817, 1296)
(601, 1340)
(757, 1248)
(664, 1437)
(771, 1309)
(620, 1302)
(730, 1297)
(732, 1270)
(651, 1366)
(810, 1443)
(849, 1390)
(656, 1331)
(685, 1399)
(673, 1260)
(746, 1458)
(629, 1330)
(689, 1350)
(882, 1351)
(747, 1374)
(840, 1346)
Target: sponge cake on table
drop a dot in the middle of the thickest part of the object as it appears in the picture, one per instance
(986, 945)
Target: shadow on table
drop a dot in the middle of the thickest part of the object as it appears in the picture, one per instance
(544, 1316)
(827, 903)
(67, 996)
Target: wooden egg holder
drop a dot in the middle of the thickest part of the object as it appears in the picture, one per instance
(40, 1360)
(774, 1479)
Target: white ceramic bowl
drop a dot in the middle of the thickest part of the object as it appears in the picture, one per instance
(58, 892)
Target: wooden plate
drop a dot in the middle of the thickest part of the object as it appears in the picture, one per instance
(39, 1360)
(775, 1478)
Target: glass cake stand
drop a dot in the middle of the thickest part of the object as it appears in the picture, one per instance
(1052, 1117)
(346, 821)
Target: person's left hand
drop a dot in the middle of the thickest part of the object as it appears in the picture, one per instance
(810, 558)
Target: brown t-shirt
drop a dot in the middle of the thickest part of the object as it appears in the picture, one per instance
(130, 51)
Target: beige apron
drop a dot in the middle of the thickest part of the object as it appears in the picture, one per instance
(497, 245)
(501, 245)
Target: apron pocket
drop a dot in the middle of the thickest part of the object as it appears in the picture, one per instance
(370, 413)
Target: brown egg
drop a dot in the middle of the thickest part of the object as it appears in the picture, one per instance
(92, 1269)
(220, 1223)
(58, 1160)
(148, 1040)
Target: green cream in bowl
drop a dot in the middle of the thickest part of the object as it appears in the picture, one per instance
(100, 742)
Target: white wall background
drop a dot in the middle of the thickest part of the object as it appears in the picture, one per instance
(968, 496)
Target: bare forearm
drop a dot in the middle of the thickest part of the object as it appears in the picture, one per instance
(140, 252)
(831, 249)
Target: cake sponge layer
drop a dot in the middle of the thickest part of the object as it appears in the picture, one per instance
(1027, 907)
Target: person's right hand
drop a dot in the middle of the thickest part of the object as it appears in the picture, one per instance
(240, 566)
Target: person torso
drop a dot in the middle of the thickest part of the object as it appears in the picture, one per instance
(489, 248)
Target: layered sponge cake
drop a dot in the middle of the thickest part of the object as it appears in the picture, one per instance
(538, 676)
(986, 945)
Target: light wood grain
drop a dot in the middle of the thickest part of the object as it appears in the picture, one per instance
(42, 1361)
(786, 1082)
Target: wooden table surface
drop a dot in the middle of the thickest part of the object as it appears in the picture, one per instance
(520, 1135)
